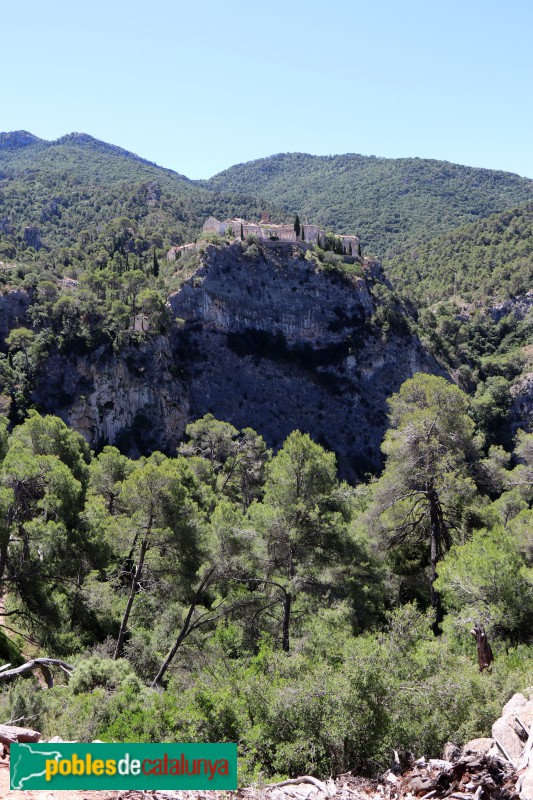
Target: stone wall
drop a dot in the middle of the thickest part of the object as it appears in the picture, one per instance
(265, 231)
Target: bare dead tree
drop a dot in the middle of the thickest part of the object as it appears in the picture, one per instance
(484, 651)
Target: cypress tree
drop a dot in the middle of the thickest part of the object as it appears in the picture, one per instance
(297, 226)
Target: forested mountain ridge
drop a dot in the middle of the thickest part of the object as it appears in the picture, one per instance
(75, 186)
(13, 140)
(390, 203)
(85, 227)
(470, 290)
(84, 247)
(65, 201)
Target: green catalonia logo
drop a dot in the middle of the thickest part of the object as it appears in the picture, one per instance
(123, 766)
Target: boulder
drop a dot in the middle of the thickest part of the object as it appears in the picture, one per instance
(526, 716)
(481, 745)
(504, 733)
(451, 751)
(421, 784)
(526, 788)
(514, 705)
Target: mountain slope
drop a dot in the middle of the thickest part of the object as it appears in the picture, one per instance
(388, 202)
(21, 151)
(471, 292)
(82, 224)
(80, 184)
(66, 192)
(490, 260)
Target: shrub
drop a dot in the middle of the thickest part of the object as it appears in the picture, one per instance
(97, 671)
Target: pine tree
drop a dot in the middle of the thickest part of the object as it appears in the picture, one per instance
(427, 481)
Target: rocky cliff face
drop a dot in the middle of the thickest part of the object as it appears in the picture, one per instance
(266, 340)
(522, 403)
(134, 400)
(13, 307)
(521, 412)
(277, 289)
(280, 345)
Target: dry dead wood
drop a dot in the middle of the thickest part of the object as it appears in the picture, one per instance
(484, 651)
(524, 761)
(302, 779)
(12, 734)
(43, 664)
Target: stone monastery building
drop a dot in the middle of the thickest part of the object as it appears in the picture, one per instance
(268, 231)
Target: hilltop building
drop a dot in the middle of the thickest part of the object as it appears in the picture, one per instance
(269, 231)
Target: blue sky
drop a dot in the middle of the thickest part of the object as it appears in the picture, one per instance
(199, 86)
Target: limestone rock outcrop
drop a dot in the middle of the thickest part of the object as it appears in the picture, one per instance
(132, 400)
(32, 237)
(265, 340)
(281, 345)
(522, 403)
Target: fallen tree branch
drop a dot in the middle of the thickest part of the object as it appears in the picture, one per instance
(301, 779)
(522, 725)
(12, 734)
(504, 751)
(43, 664)
(524, 761)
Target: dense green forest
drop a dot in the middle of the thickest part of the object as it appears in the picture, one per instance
(72, 188)
(468, 291)
(390, 203)
(488, 261)
(228, 593)
(76, 201)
